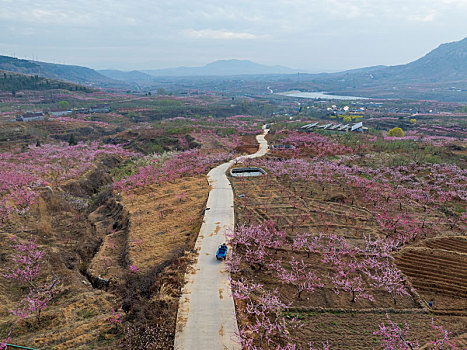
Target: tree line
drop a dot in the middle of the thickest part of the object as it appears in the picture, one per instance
(17, 82)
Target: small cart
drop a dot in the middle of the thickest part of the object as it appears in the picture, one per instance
(221, 252)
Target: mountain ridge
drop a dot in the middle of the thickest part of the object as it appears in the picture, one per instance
(440, 74)
(222, 68)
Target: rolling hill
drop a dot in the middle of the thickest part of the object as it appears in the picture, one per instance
(441, 74)
(69, 73)
(14, 82)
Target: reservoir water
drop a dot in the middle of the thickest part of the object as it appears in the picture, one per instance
(318, 94)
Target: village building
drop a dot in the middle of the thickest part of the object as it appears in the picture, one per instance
(60, 112)
(30, 116)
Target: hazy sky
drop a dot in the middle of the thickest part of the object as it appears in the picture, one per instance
(313, 35)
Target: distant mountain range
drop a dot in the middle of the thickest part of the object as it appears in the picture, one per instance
(133, 76)
(441, 74)
(222, 68)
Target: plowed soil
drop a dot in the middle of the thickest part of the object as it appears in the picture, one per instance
(438, 275)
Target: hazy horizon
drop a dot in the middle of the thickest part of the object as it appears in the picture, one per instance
(309, 36)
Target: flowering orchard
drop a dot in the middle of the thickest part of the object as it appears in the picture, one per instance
(158, 169)
(262, 324)
(358, 273)
(405, 201)
(262, 312)
(396, 337)
(324, 235)
(81, 119)
(24, 174)
(23, 269)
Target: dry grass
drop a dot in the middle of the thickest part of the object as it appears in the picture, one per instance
(106, 262)
(160, 223)
(77, 318)
(79, 321)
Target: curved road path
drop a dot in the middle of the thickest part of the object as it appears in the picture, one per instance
(206, 317)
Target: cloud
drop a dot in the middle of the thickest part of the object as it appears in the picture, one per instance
(422, 18)
(219, 34)
(300, 33)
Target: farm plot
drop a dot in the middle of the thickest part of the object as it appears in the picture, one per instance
(455, 244)
(320, 237)
(301, 207)
(354, 330)
(439, 276)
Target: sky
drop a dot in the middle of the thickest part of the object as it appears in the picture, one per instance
(307, 35)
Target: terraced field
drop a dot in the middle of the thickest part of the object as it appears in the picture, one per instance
(437, 275)
(455, 244)
(302, 207)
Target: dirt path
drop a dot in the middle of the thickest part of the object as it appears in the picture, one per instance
(206, 313)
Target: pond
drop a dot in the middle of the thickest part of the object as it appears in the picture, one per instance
(244, 172)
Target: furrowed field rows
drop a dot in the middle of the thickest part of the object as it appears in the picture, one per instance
(444, 275)
(451, 244)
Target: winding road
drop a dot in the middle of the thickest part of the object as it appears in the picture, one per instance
(206, 317)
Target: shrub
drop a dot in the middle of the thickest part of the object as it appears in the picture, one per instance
(396, 132)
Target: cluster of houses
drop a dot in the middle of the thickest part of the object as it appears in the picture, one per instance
(33, 116)
(358, 127)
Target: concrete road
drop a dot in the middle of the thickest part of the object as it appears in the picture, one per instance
(206, 317)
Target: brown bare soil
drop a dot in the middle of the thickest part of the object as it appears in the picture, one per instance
(454, 244)
(249, 145)
(354, 330)
(438, 275)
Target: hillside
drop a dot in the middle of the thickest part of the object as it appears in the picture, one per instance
(14, 82)
(77, 74)
(441, 75)
(448, 62)
(74, 74)
(222, 68)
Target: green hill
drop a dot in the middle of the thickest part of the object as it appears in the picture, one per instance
(74, 74)
(10, 81)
